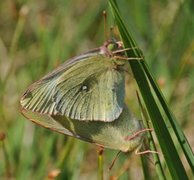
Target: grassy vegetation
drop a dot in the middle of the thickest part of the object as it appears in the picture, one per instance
(36, 36)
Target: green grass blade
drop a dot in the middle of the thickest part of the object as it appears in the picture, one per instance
(173, 161)
(157, 162)
(179, 133)
(100, 164)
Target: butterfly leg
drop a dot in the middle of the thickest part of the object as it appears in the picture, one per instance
(137, 152)
(145, 152)
(114, 160)
(127, 58)
(137, 133)
(123, 50)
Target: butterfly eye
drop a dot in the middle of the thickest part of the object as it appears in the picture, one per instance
(112, 46)
(84, 88)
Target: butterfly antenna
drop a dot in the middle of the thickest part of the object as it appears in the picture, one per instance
(111, 31)
(105, 25)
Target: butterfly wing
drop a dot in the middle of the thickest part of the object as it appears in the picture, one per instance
(89, 88)
(48, 121)
(110, 135)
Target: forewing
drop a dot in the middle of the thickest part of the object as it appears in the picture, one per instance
(90, 89)
(98, 97)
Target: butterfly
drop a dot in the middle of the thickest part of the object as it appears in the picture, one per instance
(84, 98)
(87, 87)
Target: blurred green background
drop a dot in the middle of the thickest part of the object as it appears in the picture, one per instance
(37, 36)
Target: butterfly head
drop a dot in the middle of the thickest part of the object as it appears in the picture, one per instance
(113, 48)
(114, 45)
